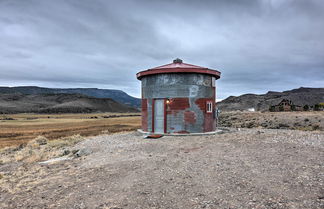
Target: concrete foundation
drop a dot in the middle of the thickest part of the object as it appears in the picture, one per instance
(218, 131)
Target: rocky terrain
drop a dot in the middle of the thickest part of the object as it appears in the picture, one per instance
(307, 121)
(59, 103)
(116, 95)
(246, 168)
(262, 102)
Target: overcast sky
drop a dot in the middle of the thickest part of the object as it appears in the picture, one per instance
(257, 45)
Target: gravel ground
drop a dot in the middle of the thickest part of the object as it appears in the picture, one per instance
(247, 168)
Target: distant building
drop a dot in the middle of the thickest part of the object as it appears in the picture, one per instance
(178, 98)
(285, 105)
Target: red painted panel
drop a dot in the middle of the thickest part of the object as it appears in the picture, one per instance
(178, 104)
(179, 67)
(201, 103)
(209, 123)
(144, 114)
(209, 120)
(189, 117)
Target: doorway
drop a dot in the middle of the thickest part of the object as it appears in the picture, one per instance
(159, 116)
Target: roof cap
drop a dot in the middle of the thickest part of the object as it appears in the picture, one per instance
(178, 66)
(177, 60)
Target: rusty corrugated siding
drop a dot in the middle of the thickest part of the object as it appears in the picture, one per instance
(185, 95)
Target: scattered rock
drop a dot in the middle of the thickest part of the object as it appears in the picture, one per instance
(66, 152)
(54, 160)
(74, 151)
(233, 170)
(41, 140)
(83, 152)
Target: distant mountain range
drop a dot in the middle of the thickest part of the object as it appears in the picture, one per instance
(116, 95)
(71, 100)
(58, 103)
(259, 102)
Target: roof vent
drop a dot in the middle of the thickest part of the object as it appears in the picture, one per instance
(177, 60)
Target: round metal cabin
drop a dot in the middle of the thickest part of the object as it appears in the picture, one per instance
(178, 98)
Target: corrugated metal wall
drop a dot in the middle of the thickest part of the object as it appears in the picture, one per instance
(188, 94)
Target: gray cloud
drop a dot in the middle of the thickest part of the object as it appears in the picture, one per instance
(258, 45)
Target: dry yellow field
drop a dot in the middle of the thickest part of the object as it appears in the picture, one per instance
(17, 129)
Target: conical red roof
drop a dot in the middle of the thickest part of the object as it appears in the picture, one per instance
(177, 66)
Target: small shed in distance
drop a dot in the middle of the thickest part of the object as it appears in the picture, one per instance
(285, 105)
(178, 98)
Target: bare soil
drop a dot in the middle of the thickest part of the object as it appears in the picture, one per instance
(246, 168)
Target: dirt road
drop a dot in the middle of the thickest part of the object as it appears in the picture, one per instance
(250, 168)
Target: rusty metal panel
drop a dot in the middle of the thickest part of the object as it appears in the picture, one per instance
(144, 114)
(187, 95)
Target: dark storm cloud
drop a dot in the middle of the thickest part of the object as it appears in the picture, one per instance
(257, 45)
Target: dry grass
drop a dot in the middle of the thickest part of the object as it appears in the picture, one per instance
(305, 121)
(39, 149)
(26, 156)
(25, 127)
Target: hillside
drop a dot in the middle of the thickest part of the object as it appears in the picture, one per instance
(116, 95)
(301, 96)
(58, 103)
